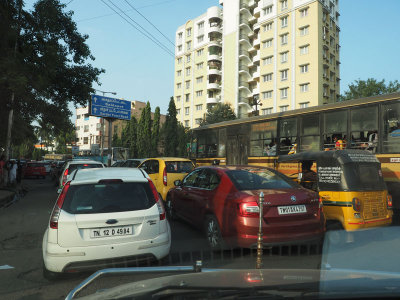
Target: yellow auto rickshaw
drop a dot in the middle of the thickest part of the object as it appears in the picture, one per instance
(350, 186)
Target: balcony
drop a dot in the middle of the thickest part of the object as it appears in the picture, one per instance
(214, 65)
(256, 74)
(244, 55)
(256, 91)
(214, 85)
(244, 70)
(256, 58)
(214, 13)
(256, 42)
(244, 40)
(212, 100)
(214, 57)
(244, 87)
(257, 12)
(213, 71)
(215, 27)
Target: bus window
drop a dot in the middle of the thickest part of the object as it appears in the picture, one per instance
(391, 128)
(263, 139)
(222, 143)
(364, 128)
(207, 144)
(288, 133)
(335, 128)
(310, 137)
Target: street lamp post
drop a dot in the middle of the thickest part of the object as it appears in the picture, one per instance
(109, 128)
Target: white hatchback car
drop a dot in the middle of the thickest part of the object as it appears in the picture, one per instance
(105, 216)
(77, 164)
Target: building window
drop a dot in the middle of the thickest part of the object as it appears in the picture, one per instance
(199, 79)
(188, 45)
(98, 126)
(283, 108)
(267, 60)
(267, 95)
(86, 128)
(179, 60)
(188, 58)
(284, 93)
(284, 56)
(304, 87)
(266, 111)
(187, 110)
(178, 98)
(180, 35)
(284, 75)
(200, 25)
(198, 121)
(284, 22)
(200, 52)
(178, 111)
(179, 48)
(284, 4)
(187, 97)
(284, 38)
(267, 27)
(188, 32)
(178, 85)
(199, 93)
(199, 107)
(304, 105)
(186, 123)
(267, 77)
(304, 12)
(304, 30)
(78, 116)
(304, 68)
(267, 43)
(200, 38)
(86, 140)
(187, 71)
(304, 49)
(200, 66)
(267, 10)
(178, 73)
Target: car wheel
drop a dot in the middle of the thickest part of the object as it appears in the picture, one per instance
(170, 210)
(213, 233)
(49, 275)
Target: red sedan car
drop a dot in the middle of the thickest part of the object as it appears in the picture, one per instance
(36, 169)
(224, 202)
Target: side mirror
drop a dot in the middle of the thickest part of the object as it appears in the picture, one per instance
(177, 182)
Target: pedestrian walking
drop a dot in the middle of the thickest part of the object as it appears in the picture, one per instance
(13, 172)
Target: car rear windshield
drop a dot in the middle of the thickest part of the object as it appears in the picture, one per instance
(108, 197)
(179, 166)
(364, 176)
(258, 179)
(83, 166)
(34, 165)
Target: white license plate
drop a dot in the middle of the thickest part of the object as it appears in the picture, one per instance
(111, 231)
(293, 209)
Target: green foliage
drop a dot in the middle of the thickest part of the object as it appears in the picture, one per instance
(155, 133)
(183, 139)
(64, 138)
(170, 137)
(144, 133)
(370, 87)
(116, 141)
(219, 113)
(49, 69)
(129, 137)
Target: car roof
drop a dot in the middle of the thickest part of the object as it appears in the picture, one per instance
(84, 162)
(170, 158)
(94, 175)
(234, 167)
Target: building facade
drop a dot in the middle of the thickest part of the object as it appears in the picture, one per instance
(277, 55)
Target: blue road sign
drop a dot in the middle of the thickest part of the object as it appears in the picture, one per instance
(110, 107)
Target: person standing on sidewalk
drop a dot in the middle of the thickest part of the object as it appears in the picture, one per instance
(2, 167)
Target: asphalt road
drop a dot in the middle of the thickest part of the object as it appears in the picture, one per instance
(23, 224)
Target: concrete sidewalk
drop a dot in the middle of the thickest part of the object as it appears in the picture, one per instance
(6, 196)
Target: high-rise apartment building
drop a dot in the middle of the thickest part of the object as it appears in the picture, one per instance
(198, 63)
(277, 55)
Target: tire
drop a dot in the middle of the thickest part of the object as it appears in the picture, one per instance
(171, 215)
(49, 275)
(213, 233)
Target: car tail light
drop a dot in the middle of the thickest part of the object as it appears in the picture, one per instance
(249, 209)
(320, 202)
(165, 177)
(57, 208)
(65, 176)
(160, 206)
(389, 202)
(356, 204)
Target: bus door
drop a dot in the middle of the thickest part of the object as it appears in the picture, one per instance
(237, 150)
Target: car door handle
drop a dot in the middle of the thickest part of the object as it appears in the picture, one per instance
(112, 221)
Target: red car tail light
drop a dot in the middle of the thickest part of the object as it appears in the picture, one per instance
(160, 206)
(356, 204)
(249, 209)
(65, 176)
(165, 176)
(57, 208)
(389, 201)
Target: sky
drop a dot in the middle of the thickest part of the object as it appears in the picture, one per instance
(138, 69)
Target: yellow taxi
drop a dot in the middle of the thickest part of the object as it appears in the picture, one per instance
(163, 171)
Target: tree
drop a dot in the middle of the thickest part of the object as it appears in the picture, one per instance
(129, 137)
(370, 87)
(43, 64)
(183, 140)
(64, 138)
(116, 141)
(218, 113)
(170, 137)
(155, 132)
(144, 132)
